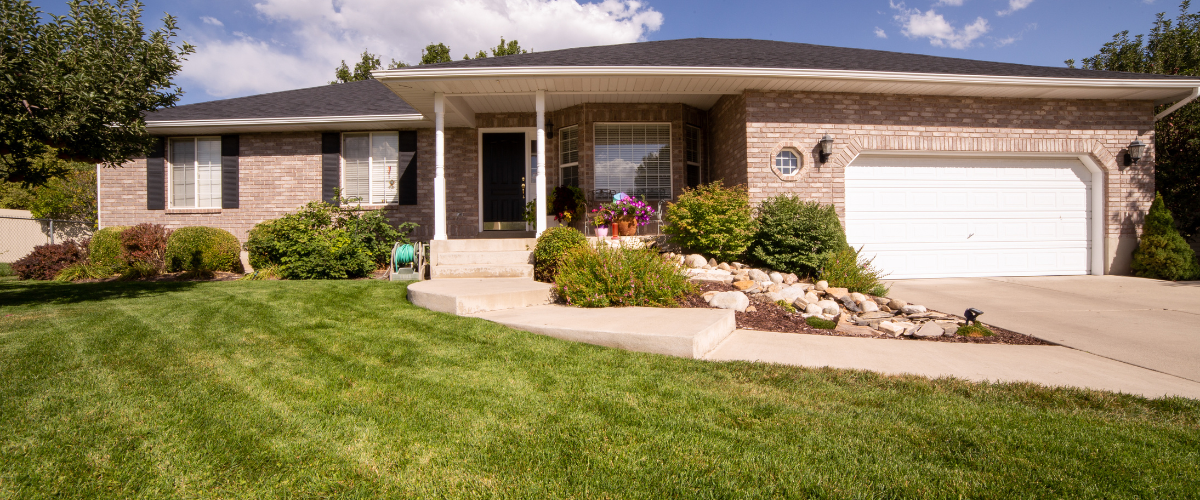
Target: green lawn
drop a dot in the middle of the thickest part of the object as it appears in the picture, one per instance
(343, 389)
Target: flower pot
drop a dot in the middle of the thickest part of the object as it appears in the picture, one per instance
(601, 231)
(627, 226)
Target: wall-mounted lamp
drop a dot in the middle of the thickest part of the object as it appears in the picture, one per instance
(1136, 150)
(549, 130)
(826, 148)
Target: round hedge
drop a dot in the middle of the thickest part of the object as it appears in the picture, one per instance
(105, 247)
(551, 245)
(203, 249)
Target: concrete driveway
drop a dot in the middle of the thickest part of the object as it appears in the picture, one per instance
(1148, 323)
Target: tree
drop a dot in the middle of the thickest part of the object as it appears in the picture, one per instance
(512, 48)
(362, 69)
(435, 53)
(1172, 48)
(80, 84)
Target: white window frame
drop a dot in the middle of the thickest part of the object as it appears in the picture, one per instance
(699, 145)
(670, 148)
(370, 166)
(562, 165)
(795, 155)
(195, 171)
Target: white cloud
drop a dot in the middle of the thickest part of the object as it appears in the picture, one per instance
(880, 33)
(931, 25)
(954, 3)
(322, 33)
(1015, 5)
(1011, 39)
(212, 20)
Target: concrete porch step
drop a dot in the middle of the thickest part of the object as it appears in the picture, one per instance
(470, 296)
(488, 258)
(482, 245)
(481, 271)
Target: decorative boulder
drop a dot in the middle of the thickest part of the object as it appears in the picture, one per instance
(813, 308)
(737, 301)
(822, 285)
(829, 307)
(869, 306)
(790, 278)
(929, 330)
(913, 310)
(757, 275)
(791, 293)
(695, 261)
(897, 304)
(776, 278)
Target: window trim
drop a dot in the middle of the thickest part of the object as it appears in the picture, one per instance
(170, 165)
(790, 147)
(670, 147)
(699, 145)
(370, 167)
(564, 165)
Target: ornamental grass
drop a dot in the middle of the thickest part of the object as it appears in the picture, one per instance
(606, 276)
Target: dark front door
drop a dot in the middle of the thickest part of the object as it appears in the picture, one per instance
(504, 181)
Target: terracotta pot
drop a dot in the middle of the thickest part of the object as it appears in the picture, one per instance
(627, 226)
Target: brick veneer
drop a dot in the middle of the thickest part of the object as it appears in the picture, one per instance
(1100, 129)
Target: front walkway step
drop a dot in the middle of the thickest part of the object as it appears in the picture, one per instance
(470, 296)
(488, 258)
(481, 271)
(684, 332)
(482, 245)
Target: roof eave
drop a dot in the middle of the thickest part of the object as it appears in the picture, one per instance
(280, 124)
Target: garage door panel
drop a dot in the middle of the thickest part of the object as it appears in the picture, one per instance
(932, 217)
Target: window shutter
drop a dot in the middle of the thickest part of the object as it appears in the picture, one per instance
(331, 151)
(156, 184)
(407, 163)
(229, 171)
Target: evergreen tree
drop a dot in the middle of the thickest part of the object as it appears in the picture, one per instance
(1162, 252)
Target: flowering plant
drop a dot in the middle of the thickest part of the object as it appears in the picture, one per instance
(629, 207)
(602, 216)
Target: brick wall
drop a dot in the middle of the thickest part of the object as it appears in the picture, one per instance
(727, 128)
(1100, 129)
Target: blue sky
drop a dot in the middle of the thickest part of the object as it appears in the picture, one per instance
(253, 46)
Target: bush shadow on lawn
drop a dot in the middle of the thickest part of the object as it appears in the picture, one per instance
(20, 293)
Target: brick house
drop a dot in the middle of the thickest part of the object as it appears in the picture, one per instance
(937, 166)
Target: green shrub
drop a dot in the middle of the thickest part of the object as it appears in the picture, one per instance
(551, 245)
(83, 270)
(796, 236)
(105, 248)
(325, 241)
(820, 323)
(711, 219)
(6, 270)
(786, 307)
(844, 269)
(143, 247)
(203, 250)
(975, 331)
(1162, 252)
(609, 277)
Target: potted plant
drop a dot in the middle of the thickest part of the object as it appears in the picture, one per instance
(601, 218)
(629, 213)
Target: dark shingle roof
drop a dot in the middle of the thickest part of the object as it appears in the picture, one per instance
(368, 97)
(746, 53)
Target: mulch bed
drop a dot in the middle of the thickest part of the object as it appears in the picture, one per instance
(771, 317)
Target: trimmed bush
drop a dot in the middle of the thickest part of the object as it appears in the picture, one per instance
(46, 261)
(201, 249)
(844, 269)
(105, 248)
(613, 277)
(820, 323)
(325, 241)
(711, 219)
(551, 246)
(974, 331)
(796, 236)
(6, 270)
(1162, 252)
(143, 247)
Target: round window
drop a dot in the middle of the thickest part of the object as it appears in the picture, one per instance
(787, 162)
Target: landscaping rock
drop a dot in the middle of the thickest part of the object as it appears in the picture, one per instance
(724, 267)
(882, 301)
(811, 297)
(950, 328)
(858, 297)
(813, 309)
(822, 285)
(737, 301)
(773, 296)
(929, 330)
(891, 328)
(712, 262)
(829, 307)
(837, 292)
(897, 304)
(876, 315)
(849, 303)
(757, 275)
(695, 261)
(790, 279)
(774, 287)
(913, 309)
(776, 278)
(737, 265)
(707, 296)
(792, 293)
(869, 306)
(745, 284)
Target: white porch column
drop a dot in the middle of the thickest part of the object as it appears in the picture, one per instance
(439, 166)
(541, 162)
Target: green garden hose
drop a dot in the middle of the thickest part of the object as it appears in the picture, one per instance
(402, 255)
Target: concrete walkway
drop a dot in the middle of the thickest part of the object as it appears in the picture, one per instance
(1047, 365)
(1148, 323)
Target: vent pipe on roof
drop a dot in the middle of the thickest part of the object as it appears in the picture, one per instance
(1180, 104)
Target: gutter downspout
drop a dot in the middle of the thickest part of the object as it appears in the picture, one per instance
(1195, 93)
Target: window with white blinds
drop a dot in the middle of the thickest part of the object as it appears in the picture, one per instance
(568, 158)
(195, 172)
(369, 167)
(634, 158)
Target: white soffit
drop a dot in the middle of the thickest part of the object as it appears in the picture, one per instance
(288, 124)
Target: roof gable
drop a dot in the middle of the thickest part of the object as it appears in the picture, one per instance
(364, 98)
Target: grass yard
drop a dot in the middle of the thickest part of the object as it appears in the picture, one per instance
(277, 389)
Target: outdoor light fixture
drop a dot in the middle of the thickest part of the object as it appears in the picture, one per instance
(972, 315)
(826, 148)
(1136, 150)
(549, 130)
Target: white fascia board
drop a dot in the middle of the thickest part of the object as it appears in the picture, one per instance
(295, 120)
(399, 75)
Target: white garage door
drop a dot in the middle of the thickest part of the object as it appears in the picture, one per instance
(933, 217)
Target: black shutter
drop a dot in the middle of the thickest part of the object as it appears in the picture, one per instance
(229, 171)
(408, 167)
(331, 152)
(156, 171)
